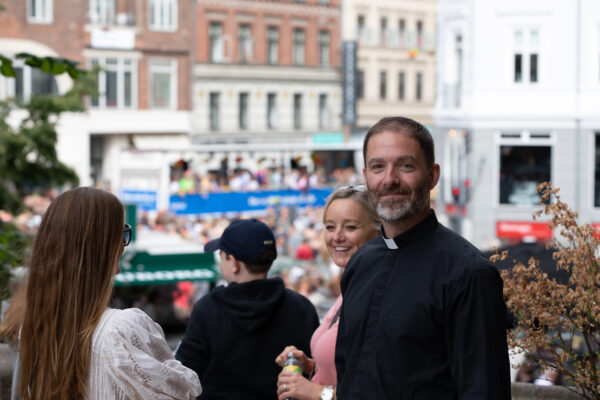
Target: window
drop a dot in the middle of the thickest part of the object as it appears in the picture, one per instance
(298, 54)
(360, 84)
(323, 112)
(244, 43)
(526, 59)
(382, 85)
(419, 87)
(522, 169)
(361, 31)
(243, 111)
(217, 44)
(383, 34)
(402, 33)
(401, 86)
(101, 12)
(297, 111)
(163, 83)
(271, 111)
(163, 15)
(27, 81)
(324, 47)
(214, 111)
(419, 34)
(272, 45)
(117, 83)
(39, 11)
(597, 172)
(455, 90)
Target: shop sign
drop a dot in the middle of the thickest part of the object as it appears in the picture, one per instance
(521, 229)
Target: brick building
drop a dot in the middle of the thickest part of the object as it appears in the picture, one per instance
(146, 52)
(268, 74)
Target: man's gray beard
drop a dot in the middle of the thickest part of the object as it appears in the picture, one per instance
(402, 209)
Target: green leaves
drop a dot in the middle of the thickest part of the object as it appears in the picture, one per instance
(49, 65)
(6, 68)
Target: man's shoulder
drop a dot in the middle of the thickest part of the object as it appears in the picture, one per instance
(461, 252)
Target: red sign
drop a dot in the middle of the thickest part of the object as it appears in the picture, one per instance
(520, 229)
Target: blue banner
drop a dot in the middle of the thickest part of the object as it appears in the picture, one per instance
(246, 201)
(144, 199)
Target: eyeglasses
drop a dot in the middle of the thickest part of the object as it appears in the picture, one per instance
(358, 188)
(126, 234)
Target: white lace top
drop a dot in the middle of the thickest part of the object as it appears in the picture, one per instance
(131, 360)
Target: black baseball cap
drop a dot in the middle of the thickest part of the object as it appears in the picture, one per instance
(246, 240)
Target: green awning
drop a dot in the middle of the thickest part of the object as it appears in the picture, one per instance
(143, 268)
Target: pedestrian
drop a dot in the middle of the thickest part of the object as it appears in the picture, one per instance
(71, 346)
(235, 332)
(423, 315)
(349, 222)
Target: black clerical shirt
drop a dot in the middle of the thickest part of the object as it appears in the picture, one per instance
(423, 317)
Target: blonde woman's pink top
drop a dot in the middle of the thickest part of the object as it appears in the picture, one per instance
(322, 347)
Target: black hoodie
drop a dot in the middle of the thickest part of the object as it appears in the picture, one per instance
(236, 332)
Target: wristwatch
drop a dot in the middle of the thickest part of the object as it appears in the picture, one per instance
(327, 393)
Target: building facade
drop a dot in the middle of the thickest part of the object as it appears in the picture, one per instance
(395, 58)
(267, 72)
(145, 52)
(518, 87)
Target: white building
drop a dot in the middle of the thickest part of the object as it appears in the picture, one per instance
(518, 93)
(395, 57)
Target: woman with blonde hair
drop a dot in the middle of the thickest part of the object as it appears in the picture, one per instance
(72, 346)
(350, 221)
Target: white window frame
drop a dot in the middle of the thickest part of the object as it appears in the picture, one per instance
(245, 45)
(592, 175)
(121, 67)
(101, 12)
(162, 15)
(244, 113)
(217, 118)
(324, 111)
(299, 46)
(44, 11)
(272, 114)
(216, 43)
(273, 37)
(522, 138)
(8, 85)
(163, 65)
(526, 49)
(324, 47)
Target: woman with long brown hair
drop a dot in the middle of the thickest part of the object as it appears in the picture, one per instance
(71, 345)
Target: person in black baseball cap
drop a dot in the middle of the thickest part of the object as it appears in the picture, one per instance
(235, 333)
(248, 241)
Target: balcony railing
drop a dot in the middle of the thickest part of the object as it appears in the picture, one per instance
(406, 40)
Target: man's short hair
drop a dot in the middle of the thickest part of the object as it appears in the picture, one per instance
(405, 126)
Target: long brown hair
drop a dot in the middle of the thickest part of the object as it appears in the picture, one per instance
(70, 282)
(13, 318)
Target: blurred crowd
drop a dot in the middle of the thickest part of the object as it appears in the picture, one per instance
(185, 180)
(303, 261)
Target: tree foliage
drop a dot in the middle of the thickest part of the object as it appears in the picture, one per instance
(558, 325)
(49, 65)
(28, 158)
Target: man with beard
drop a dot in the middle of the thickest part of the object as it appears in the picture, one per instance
(423, 315)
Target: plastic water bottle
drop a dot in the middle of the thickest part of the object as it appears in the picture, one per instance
(292, 364)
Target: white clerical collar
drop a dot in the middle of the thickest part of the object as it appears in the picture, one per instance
(390, 243)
